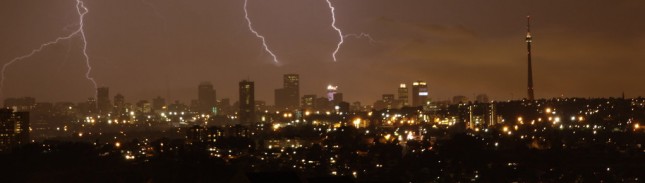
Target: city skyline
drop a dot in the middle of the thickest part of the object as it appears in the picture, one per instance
(141, 54)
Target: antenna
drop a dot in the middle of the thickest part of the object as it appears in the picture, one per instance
(528, 23)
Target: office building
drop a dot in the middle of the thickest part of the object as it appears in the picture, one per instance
(419, 93)
(103, 100)
(206, 100)
(288, 97)
(403, 94)
(247, 102)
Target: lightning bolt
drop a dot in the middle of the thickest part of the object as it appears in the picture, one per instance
(333, 25)
(340, 32)
(264, 42)
(82, 11)
(361, 36)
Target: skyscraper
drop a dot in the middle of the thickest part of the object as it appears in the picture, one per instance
(119, 103)
(206, 100)
(103, 100)
(403, 94)
(247, 102)
(419, 93)
(529, 39)
(292, 90)
(289, 95)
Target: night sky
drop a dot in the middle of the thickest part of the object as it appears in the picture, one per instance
(143, 49)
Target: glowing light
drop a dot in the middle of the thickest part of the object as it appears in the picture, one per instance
(357, 122)
(82, 11)
(276, 126)
(264, 42)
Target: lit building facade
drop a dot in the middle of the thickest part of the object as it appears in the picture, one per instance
(419, 93)
(403, 94)
(14, 128)
(331, 91)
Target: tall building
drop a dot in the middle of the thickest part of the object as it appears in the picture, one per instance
(247, 102)
(403, 94)
(280, 98)
(338, 98)
(119, 103)
(292, 87)
(206, 100)
(289, 95)
(419, 93)
(103, 100)
(529, 39)
(14, 128)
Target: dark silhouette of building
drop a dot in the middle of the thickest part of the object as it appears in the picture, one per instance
(482, 98)
(289, 95)
(403, 94)
(247, 102)
(103, 100)
(281, 98)
(14, 128)
(322, 103)
(119, 103)
(529, 40)
(88, 107)
(20, 104)
(419, 93)
(206, 100)
(224, 107)
(196, 134)
(338, 98)
(292, 87)
(309, 101)
(459, 99)
(158, 104)
(143, 106)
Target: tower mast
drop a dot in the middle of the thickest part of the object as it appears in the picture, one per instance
(529, 39)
